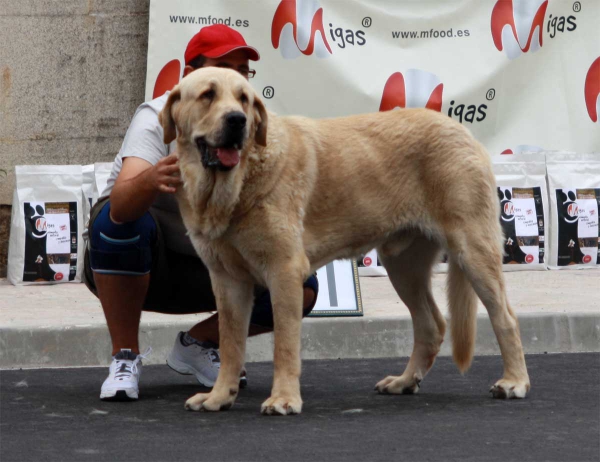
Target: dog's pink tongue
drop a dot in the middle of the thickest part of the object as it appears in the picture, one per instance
(229, 157)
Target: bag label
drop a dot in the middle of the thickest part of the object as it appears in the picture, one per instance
(50, 241)
(522, 219)
(578, 228)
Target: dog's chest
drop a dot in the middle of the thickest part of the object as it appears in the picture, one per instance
(220, 255)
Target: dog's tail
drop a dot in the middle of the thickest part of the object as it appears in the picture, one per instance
(462, 302)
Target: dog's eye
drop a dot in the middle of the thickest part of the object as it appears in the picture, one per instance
(244, 98)
(208, 95)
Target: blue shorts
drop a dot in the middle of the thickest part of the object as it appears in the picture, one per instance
(179, 284)
(122, 249)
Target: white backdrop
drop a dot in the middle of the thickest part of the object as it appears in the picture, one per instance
(521, 74)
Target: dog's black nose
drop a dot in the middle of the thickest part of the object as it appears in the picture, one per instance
(236, 120)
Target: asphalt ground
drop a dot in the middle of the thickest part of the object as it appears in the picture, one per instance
(56, 415)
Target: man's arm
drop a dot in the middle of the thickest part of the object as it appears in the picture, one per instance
(138, 184)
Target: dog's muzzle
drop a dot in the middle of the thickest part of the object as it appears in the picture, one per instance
(225, 155)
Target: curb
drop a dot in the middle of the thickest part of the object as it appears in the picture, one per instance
(324, 338)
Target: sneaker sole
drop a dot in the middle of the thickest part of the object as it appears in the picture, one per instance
(121, 395)
(184, 369)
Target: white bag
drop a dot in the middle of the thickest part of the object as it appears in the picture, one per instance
(521, 186)
(45, 243)
(574, 190)
(369, 265)
(88, 190)
(101, 175)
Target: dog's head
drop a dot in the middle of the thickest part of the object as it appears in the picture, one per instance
(216, 112)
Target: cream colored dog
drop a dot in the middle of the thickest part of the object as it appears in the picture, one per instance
(267, 200)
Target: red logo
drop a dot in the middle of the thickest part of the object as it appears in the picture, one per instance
(529, 212)
(592, 90)
(63, 227)
(529, 258)
(298, 29)
(414, 88)
(58, 277)
(587, 259)
(167, 78)
(517, 26)
(40, 224)
(367, 261)
(573, 209)
(509, 208)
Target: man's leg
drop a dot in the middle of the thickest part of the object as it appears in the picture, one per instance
(121, 260)
(196, 351)
(208, 330)
(122, 299)
(117, 269)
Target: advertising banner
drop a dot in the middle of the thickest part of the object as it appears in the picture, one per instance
(522, 75)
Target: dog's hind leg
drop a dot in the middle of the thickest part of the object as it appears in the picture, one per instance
(479, 255)
(234, 303)
(410, 274)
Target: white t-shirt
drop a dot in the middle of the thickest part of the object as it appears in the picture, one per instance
(144, 139)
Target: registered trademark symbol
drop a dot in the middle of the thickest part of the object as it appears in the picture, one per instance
(491, 94)
(577, 7)
(268, 92)
(366, 22)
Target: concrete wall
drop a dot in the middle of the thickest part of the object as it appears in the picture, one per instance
(72, 73)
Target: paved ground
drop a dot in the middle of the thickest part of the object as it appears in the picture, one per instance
(63, 325)
(74, 305)
(56, 415)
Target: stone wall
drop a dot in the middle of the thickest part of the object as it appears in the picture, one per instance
(72, 73)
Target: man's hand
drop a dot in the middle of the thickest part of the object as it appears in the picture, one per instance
(165, 175)
(138, 184)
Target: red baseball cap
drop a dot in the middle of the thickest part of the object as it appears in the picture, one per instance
(215, 41)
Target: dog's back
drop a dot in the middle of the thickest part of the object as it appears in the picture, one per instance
(372, 175)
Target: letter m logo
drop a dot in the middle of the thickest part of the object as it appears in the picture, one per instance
(298, 29)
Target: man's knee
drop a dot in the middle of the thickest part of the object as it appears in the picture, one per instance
(124, 248)
(262, 313)
(311, 291)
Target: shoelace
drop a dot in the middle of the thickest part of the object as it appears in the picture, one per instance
(213, 355)
(127, 370)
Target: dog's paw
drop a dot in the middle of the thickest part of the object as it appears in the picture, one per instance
(208, 402)
(507, 389)
(402, 385)
(281, 406)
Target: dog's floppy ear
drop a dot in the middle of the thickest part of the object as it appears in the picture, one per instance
(166, 116)
(262, 120)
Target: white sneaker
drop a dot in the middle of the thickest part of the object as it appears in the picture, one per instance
(123, 376)
(190, 357)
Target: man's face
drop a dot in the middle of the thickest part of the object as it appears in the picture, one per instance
(236, 60)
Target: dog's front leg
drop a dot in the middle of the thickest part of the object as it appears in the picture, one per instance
(286, 297)
(234, 304)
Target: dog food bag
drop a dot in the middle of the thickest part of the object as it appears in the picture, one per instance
(574, 189)
(369, 265)
(521, 186)
(101, 175)
(88, 190)
(45, 243)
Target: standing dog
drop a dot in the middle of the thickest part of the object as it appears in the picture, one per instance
(269, 199)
